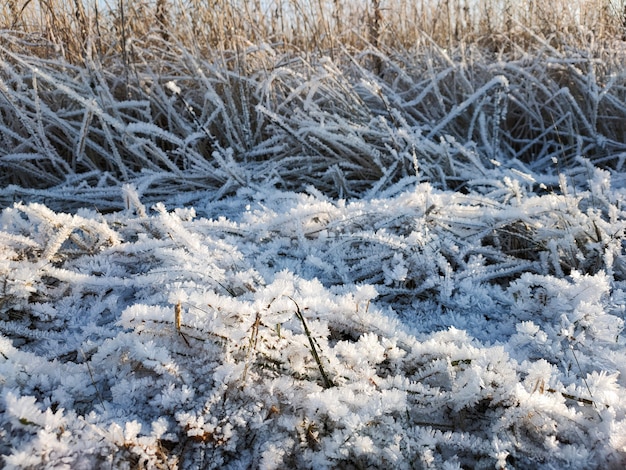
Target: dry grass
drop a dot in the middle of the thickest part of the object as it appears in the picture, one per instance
(348, 96)
(78, 27)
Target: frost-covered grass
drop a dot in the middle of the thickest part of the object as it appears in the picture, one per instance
(182, 126)
(226, 243)
(418, 329)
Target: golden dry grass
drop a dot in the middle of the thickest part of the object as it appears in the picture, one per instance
(76, 27)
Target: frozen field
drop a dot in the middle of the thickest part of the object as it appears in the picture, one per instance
(277, 260)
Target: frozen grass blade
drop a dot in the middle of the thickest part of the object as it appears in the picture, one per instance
(328, 383)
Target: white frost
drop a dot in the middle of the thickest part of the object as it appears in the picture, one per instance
(313, 333)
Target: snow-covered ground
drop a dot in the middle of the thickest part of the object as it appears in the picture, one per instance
(418, 329)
